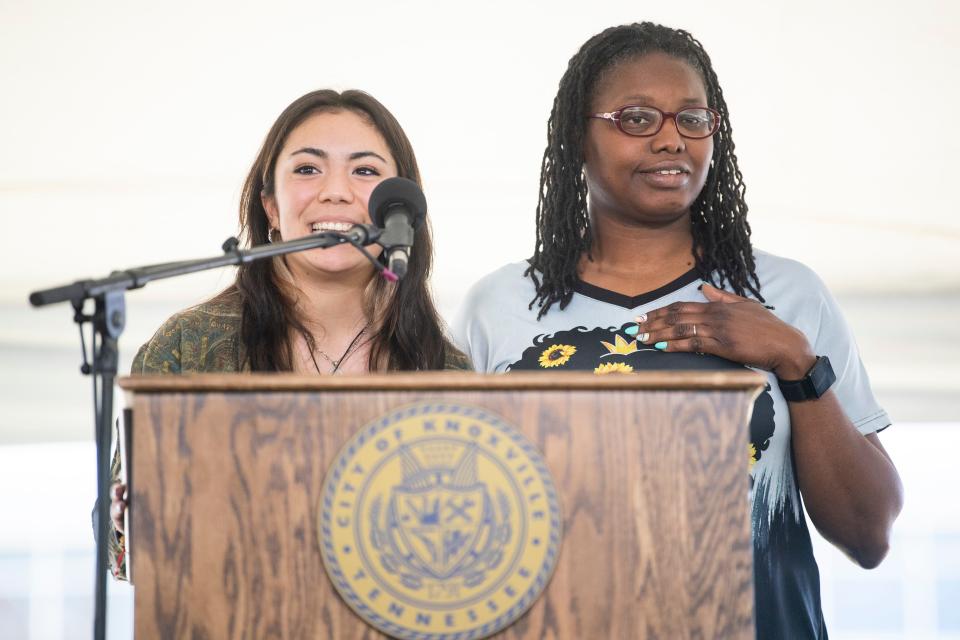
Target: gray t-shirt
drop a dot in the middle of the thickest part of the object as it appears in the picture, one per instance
(498, 331)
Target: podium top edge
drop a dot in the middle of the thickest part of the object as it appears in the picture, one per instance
(738, 380)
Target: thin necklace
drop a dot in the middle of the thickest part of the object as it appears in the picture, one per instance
(335, 363)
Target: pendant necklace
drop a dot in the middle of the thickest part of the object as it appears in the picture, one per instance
(335, 363)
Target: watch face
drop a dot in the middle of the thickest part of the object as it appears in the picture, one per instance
(813, 385)
(822, 376)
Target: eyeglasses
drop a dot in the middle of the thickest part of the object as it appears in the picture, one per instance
(693, 122)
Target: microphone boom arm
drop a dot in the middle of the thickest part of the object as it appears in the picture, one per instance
(108, 321)
(137, 277)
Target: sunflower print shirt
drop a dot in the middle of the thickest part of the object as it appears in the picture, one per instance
(500, 333)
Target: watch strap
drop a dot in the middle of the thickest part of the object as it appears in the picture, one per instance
(818, 380)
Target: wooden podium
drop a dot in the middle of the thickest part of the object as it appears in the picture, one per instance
(651, 470)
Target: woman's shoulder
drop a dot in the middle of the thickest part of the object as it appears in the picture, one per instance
(225, 304)
(220, 312)
(201, 338)
(506, 282)
(798, 294)
(778, 271)
(456, 360)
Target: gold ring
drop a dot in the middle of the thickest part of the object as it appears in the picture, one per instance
(694, 330)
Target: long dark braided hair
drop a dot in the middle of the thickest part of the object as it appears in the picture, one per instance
(721, 235)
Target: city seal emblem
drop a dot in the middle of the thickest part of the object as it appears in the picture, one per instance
(439, 521)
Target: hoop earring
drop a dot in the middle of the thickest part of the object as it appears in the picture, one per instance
(270, 235)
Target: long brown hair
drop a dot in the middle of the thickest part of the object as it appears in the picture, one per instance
(408, 331)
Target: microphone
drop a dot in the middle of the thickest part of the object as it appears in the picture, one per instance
(398, 207)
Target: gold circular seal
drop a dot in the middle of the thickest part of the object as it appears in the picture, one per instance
(439, 522)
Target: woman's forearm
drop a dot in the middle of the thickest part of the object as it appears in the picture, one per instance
(850, 487)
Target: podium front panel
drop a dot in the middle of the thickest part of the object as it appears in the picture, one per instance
(651, 473)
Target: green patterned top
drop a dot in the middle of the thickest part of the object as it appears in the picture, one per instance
(206, 339)
(203, 339)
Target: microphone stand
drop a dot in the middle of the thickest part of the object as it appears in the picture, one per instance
(108, 321)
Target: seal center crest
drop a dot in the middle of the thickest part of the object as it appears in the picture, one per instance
(441, 522)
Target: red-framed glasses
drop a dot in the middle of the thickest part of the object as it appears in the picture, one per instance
(635, 120)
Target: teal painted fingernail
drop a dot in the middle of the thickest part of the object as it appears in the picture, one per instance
(632, 330)
(660, 345)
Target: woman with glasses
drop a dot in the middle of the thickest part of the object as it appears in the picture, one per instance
(317, 312)
(643, 260)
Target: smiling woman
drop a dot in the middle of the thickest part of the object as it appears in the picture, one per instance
(320, 312)
(643, 261)
(323, 179)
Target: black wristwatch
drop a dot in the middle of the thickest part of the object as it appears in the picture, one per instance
(811, 386)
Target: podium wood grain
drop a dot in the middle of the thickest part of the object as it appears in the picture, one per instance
(652, 480)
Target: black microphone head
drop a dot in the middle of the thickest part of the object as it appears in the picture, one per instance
(394, 192)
